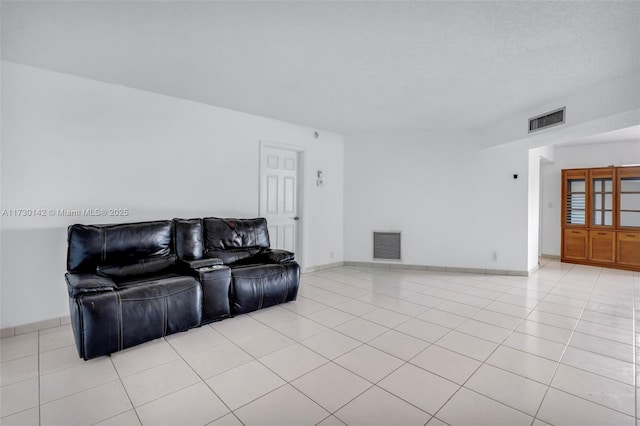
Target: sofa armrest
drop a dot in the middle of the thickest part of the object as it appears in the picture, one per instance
(277, 256)
(215, 279)
(199, 263)
(78, 284)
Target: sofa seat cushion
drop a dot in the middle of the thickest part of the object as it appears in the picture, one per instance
(266, 256)
(229, 257)
(259, 286)
(150, 279)
(141, 268)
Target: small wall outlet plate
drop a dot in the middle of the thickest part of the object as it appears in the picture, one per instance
(320, 182)
(320, 174)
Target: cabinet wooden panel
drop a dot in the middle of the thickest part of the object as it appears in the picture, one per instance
(602, 246)
(628, 248)
(574, 244)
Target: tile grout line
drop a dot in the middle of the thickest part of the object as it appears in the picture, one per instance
(119, 379)
(39, 405)
(410, 317)
(133, 407)
(81, 391)
(376, 384)
(634, 341)
(504, 292)
(204, 381)
(484, 362)
(408, 362)
(492, 300)
(551, 289)
(404, 362)
(541, 338)
(287, 382)
(332, 413)
(562, 356)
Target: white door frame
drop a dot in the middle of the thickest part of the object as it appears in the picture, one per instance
(299, 192)
(540, 210)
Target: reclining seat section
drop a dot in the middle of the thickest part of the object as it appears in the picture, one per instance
(125, 288)
(260, 277)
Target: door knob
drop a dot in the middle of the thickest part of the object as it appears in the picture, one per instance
(296, 218)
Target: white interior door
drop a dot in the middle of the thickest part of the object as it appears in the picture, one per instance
(279, 177)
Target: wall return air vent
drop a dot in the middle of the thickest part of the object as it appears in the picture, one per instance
(386, 245)
(546, 120)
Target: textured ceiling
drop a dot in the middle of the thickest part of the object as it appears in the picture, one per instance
(342, 66)
(628, 134)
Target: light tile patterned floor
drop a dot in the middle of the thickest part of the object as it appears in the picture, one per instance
(362, 346)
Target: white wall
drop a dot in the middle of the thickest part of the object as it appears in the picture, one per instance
(536, 155)
(571, 157)
(452, 193)
(73, 143)
(454, 203)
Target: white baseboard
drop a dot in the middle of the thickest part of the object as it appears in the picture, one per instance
(322, 267)
(550, 256)
(34, 326)
(440, 268)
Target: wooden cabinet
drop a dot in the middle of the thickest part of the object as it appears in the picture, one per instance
(601, 217)
(628, 248)
(602, 246)
(574, 244)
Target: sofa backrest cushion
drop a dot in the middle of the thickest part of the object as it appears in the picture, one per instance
(91, 246)
(189, 239)
(227, 234)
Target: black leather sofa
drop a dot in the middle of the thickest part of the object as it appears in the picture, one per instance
(133, 282)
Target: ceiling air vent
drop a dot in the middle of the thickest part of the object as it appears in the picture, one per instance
(548, 119)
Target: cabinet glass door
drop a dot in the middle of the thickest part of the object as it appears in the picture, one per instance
(630, 202)
(602, 199)
(576, 201)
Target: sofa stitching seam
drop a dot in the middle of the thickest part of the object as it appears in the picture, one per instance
(286, 278)
(165, 316)
(104, 246)
(120, 322)
(81, 327)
